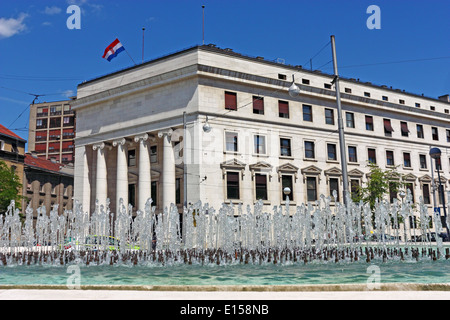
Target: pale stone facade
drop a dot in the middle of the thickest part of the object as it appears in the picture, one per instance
(131, 143)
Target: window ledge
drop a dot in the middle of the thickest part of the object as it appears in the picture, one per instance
(265, 202)
(234, 201)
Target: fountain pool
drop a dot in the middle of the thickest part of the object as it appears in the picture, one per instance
(326, 243)
(422, 272)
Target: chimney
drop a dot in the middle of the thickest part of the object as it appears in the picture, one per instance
(445, 98)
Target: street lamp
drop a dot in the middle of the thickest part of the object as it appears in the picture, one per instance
(435, 153)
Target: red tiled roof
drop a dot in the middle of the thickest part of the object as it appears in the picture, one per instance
(42, 163)
(7, 132)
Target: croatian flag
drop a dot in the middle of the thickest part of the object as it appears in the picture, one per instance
(113, 50)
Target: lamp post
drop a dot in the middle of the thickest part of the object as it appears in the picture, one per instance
(435, 153)
(294, 91)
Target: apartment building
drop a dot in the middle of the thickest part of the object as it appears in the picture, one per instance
(214, 125)
(52, 131)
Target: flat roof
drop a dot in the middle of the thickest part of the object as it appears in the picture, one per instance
(229, 52)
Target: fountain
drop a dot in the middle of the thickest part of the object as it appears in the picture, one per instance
(326, 237)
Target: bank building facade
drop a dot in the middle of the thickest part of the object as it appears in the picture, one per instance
(214, 125)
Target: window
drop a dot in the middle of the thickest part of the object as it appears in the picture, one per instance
(55, 122)
(233, 185)
(286, 182)
(369, 123)
(153, 154)
(332, 153)
(385, 98)
(423, 161)
(334, 185)
(230, 100)
(41, 123)
(420, 134)
(283, 109)
(406, 160)
(132, 194)
(410, 187)
(2, 145)
(307, 113)
(281, 76)
(327, 86)
(432, 108)
(177, 190)
(305, 81)
(260, 144)
(367, 94)
(329, 116)
(14, 148)
(132, 158)
(352, 154)
(261, 186)
(309, 150)
(426, 193)
(372, 156)
(388, 128)
(417, 105)
(390, 158)
(258, 105)
(354, 185)
(285, 147)
(231, 141)
(405, 130)
(348, 90)
(401, 101)
(154, 193)
(434, 133)
(350, 119)
(311, 189)
(448, 135)
(392, 192)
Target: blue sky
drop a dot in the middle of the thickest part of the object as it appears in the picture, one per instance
(40, 55)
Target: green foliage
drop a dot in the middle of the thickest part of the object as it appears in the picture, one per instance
(379, 184)
(9, 187)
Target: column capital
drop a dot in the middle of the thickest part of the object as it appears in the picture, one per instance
(165, 132)
(143, 137)
(117, 142)
(99, 146)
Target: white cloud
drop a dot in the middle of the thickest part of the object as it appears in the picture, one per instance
(68, 93)
(52, 10)
(77, 2)
(10, 27)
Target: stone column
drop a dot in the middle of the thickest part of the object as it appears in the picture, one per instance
(101, 186)
(168, 172)
(122, 173)
(82, 186)
(145, 185)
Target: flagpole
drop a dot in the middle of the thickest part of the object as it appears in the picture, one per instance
(130, 57)
(203, 24)
(143, 41)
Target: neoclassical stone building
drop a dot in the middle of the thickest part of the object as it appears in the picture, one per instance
(131, 143)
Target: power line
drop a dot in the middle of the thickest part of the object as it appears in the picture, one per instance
(393, 62)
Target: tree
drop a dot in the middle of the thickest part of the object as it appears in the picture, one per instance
(9, 187)
(380, 183)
